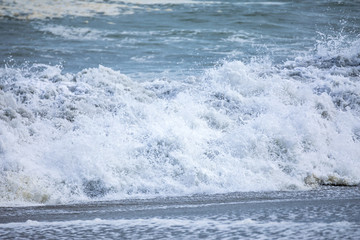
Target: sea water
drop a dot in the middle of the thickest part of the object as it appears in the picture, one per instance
(327, 213)
(120, 100)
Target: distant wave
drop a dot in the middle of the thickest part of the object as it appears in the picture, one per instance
(42, 9)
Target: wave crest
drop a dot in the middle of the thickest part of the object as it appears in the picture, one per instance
(239, 127)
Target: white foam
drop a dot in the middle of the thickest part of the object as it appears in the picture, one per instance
(41, 9)
(240, 127)
(73, 33)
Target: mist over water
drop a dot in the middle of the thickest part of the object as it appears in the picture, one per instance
(104, 101)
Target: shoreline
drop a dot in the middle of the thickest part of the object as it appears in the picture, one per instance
(332, 212)
(36, 212)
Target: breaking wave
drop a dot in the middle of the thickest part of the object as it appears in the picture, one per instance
(257, 126)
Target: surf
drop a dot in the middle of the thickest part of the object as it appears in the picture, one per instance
(240, 126)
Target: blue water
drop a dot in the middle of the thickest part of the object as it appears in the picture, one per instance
(171, 38)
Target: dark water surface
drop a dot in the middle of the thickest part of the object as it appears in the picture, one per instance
(327, 213)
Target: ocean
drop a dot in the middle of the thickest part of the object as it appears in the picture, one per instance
(179, 119)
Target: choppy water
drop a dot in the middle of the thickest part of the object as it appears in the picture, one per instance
(120, 99)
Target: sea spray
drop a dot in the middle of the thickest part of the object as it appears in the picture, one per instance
(257, 126)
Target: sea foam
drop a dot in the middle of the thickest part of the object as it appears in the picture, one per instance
(256, 126)
(42, 9)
